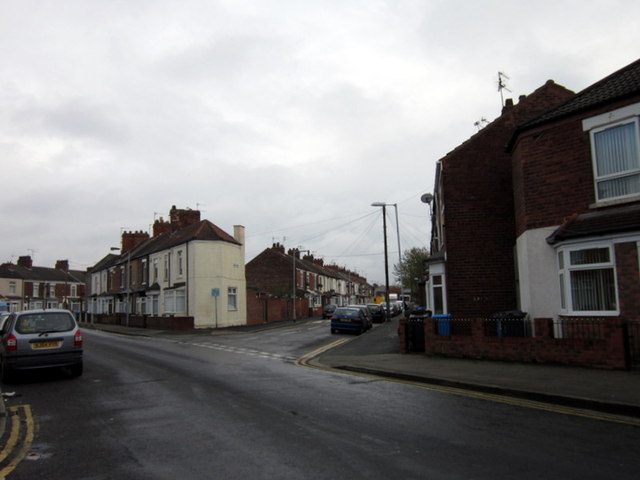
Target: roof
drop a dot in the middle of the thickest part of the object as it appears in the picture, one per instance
(202, 230)
(619, 85)
(603, 222)
(41, 274)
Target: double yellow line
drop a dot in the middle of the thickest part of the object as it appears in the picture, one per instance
(19, 439)
(305, 361)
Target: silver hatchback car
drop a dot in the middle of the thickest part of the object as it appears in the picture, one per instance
(35, 339)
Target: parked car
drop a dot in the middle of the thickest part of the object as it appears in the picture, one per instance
(377, 312)
(328, 310)
(349, 319)
(3, 318)
(393, 309)
(367, 314)
(38, 339)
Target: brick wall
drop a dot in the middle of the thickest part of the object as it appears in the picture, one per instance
(607, 351)
(477, 187)
(628, 272)
(553, 173)
(271, 271)
(263, 309)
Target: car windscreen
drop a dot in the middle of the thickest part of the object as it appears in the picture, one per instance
(44, 322)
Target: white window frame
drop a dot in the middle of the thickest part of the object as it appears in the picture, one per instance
(180, 264)
(232, 299)
(145, 271)
(175, 301)
(616, 118)
(565, 268)
(166, 268)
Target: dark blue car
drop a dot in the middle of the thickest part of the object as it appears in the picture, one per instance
(348, 319)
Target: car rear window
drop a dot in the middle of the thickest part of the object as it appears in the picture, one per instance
(44, 322)
(348, 312)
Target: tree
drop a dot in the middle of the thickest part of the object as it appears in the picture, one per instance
(411, 269)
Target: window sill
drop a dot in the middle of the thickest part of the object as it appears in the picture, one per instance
(615, 201)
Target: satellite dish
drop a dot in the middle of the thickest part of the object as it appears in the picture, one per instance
(426, 198)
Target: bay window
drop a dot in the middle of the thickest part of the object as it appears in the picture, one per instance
(588, 280)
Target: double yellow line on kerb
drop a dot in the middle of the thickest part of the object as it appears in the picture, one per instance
(20, 435)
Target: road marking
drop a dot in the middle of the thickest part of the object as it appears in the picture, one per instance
(245, 351)
(514, 401)
(19, 440)
(521, 402)
(304, 360)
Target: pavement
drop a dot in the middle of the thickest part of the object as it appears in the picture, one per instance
(613, 392)
(609, 392)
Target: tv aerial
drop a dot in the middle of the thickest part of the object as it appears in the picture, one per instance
(502, 85)
(481, 123)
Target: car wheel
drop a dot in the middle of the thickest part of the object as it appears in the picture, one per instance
(6, 374)
(76, 370)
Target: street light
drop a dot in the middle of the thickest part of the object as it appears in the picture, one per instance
(386, 254)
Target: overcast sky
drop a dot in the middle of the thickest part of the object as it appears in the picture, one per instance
(289, 117)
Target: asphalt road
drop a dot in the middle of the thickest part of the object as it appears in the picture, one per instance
(237, 406)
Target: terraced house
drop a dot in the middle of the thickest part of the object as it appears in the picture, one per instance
(540, 212)
(24, 286)
(189, 274)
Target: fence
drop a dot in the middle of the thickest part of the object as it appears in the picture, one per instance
(594, 342)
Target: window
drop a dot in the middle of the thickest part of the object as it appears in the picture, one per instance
(154, 304)
(166, 268)
(180, 268)
(588, 280)
(615, 152)
(438, 295)
(145, 271)
(141, 305)
(232, 298)
(175, 301)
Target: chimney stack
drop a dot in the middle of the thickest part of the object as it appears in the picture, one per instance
(62, 265)
(131, 240)
(25, 261)
(183, 218)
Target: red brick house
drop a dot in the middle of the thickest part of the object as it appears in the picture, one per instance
(576, 182)
(472, 267)
(270, 276)
(25, 286)
(540, 212)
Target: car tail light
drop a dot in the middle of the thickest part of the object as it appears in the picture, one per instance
(12, 342)
(77, 339)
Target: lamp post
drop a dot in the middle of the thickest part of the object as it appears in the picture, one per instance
(386, 255)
